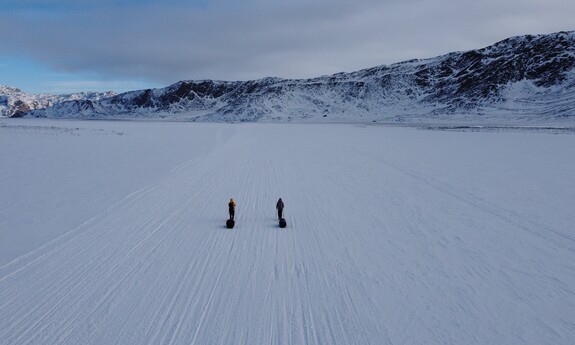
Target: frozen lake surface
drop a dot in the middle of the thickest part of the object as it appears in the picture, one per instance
(114, 233)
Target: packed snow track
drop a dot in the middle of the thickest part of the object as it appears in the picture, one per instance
(114, 233)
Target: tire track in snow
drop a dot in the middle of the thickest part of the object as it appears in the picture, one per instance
(83, 279)
(44, 251)
(489, 207)
(40, 259)
(369, 252)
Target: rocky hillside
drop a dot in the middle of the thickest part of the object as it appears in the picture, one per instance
(518, 79)
(15, 103)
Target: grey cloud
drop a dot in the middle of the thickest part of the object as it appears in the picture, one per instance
(287, 39)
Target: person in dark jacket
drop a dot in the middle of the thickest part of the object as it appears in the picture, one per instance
(280, 208)
(232, 208)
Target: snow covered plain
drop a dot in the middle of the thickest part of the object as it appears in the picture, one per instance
(114, 233)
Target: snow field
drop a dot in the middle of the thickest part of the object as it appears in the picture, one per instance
(395, 235)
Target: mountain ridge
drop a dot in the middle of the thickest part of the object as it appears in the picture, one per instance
(522, 78)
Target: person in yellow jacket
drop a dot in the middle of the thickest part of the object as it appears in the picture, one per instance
(232, 208)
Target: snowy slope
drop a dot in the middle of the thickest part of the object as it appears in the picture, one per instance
(16, 103)
(518, 80)
(395, 235)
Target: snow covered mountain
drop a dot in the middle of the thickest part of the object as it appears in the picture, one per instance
(525, 78)
(15, 103)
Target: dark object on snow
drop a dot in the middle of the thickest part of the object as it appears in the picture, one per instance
(283, 223)
(232, 208)
(280, 208)
(230, 223)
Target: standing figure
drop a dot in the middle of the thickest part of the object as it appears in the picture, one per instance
(280, 208)
(232, 208)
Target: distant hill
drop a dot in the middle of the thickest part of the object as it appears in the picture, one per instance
(524, 78)
(16, 103)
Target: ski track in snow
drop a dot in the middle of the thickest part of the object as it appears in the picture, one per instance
(376, 251)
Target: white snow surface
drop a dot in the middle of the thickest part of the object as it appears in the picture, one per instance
(114, 233)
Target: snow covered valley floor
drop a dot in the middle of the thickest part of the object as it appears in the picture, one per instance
(114, 233)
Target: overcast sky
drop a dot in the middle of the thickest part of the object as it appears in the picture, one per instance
(77, 45)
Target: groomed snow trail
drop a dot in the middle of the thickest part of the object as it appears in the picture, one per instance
(395, 236)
